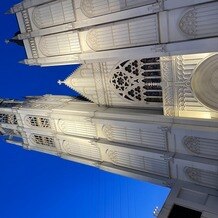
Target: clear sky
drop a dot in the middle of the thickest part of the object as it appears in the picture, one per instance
(35, 185)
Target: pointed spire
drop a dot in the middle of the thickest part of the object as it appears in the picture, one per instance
(9, 11)
(16, 37)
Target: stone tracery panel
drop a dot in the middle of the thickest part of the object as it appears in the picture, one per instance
(85, 150)
(200, 21)
(42, 140)
(206, 74)
(54, 13)
(182, 93)
(139, 162)
(138, 81)
(60, 44)
(202, 177)
(122, 34)
(153, 138)
(8, 118)
(37, 121)
(201, 146)
(77, 127)
(94, 8)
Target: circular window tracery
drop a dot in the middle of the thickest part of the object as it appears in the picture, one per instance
(204, 82)
(138, 80)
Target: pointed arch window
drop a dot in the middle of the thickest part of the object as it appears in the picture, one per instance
(38, 121)
(8, 119)
(138, 80)
(43, 140)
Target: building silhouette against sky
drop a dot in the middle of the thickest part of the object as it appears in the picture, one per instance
(149, 70)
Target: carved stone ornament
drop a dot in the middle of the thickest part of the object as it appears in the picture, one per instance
(108, 132)
(93, 8)
(192, 144)
(204, 82)
(193, 174)
(188, 24)
(112, 155)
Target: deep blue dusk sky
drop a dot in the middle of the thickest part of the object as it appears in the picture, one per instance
(35, 185)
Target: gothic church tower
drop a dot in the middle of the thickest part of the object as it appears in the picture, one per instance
(149, 67)
(68, 32)
(172, 152)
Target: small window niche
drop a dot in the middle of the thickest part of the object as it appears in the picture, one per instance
(184, 212)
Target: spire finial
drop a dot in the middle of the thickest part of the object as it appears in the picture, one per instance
(22, 62)
(61, 82)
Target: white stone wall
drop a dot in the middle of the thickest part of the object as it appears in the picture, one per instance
(65, 33)
(185, 96)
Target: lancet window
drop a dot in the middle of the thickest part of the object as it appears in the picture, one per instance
(38, 121)
(138, 80)
(8, 118)
(43, 140)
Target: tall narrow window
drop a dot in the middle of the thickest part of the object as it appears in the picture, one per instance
(43, 140)
(38, 121)
(8, 118)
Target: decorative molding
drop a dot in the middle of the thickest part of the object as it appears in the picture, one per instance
(98, 74)
(159, 48)
(192, 144)
(8, 118)
(193, 174)
(178, 92)
(139, 162)
(188, 22)
(169, 111)
(204, 82)
(60, 44)
(199, 146)
(122, 34)
(82, 149)
(147, 137)
(94, 8)
(37, 121)
(154, 8)
(53, 13)
(112, 155)
(200, 21)
(76, 127)
(42, 140)
(108, 132)
(26, 20)
(34, 48)
(202, 177)
(166, 69)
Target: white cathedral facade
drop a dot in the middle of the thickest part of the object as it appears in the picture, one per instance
(150, 71)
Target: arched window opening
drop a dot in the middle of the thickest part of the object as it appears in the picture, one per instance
(138, 80)
(38, 122)
(43, 140)
(8, 118)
